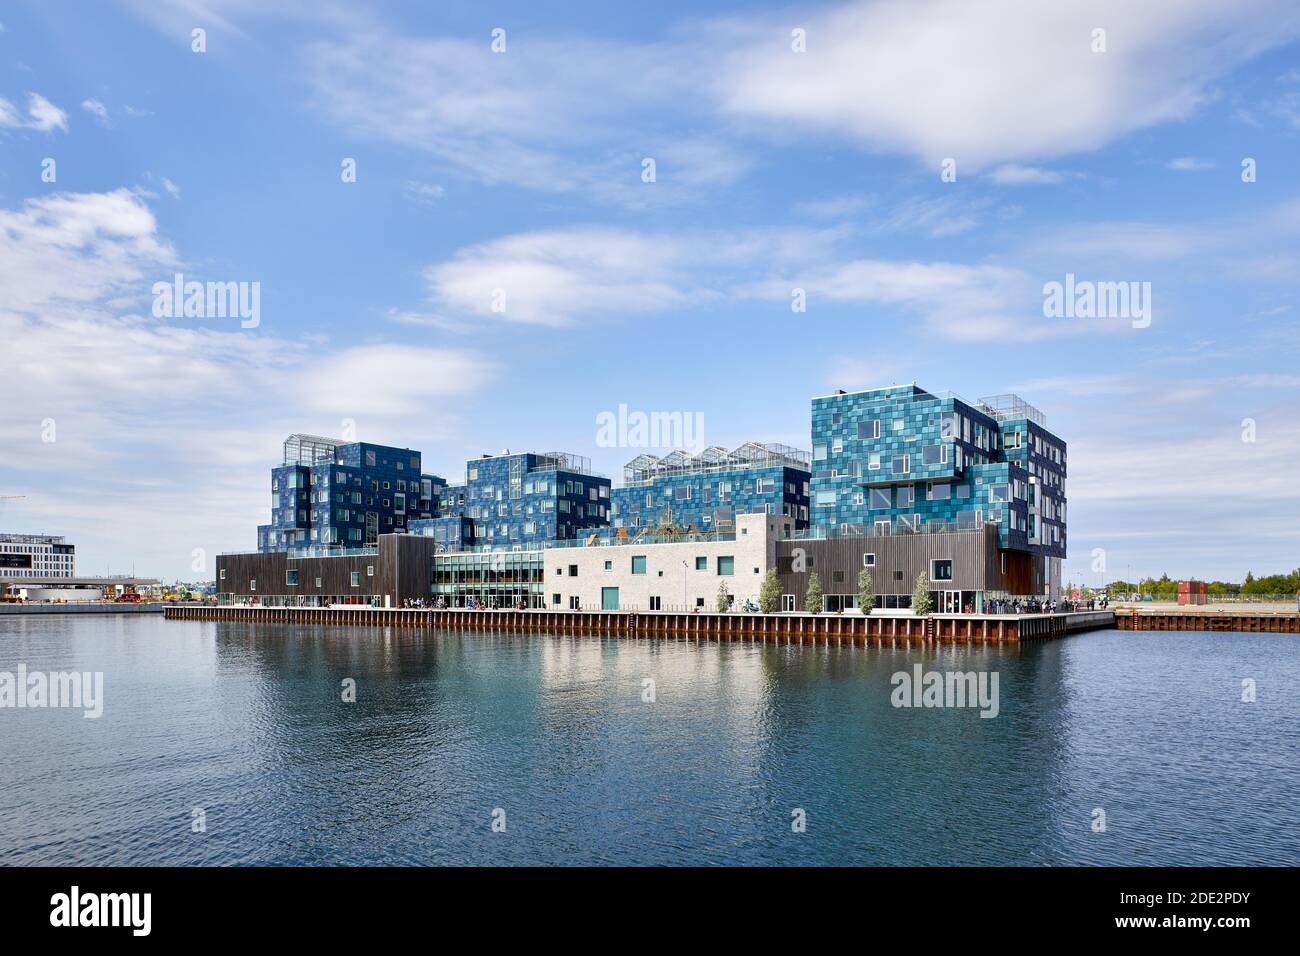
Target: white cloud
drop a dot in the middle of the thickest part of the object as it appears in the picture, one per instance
(172, 189)
(381, 381)
(96, 109)
(1013, 174)
(426, 193)
(42, 115)
(963, 302)
(1189, 164)
(558, 276)
(1002, 81)
(45, 115)
(551, 277)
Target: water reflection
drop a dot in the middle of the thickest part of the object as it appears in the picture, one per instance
(249, 723)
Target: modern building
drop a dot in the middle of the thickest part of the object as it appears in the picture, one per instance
(674, 573)
(901, 482)
(517, 501)
(901, 461)
(36, 556)
(329, 495)
(648, 574)
(706, 492)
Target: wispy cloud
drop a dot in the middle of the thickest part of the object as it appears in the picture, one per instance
(42, 115)
(96, 109)
(1189, 164)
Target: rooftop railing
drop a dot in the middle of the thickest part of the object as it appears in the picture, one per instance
(931, 526)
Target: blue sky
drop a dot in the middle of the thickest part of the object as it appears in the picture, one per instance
(522, 171)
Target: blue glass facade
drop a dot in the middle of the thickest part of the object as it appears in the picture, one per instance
(334, 496)
(705, 492)
(901, 460)
(516, 501)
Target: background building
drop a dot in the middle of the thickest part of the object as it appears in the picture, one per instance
(36, 556)
(515, 501)
(707, 491)
(332, 495)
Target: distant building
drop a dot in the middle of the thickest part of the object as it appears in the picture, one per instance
(329, 495)
(40, 556)
(514, 501)
(706, 491)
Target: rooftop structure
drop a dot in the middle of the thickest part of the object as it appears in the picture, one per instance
(646, 468)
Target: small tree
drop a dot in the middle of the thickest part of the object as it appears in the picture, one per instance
(724, 597)
(813, 599)
(921, 596)
(866, 593)
(769, 594)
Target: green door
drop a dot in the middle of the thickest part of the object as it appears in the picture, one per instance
(609, 599)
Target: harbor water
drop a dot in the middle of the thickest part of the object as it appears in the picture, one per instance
(225, 743)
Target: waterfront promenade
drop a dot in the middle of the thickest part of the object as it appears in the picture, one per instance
(786, 627)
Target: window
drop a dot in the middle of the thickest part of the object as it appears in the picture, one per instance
(897, 424)
(905, 496)
(837, 445)
(252, 584)
(934, 454)
(609, 565)
(726, 565)
(868, 560)
(825, 497)
(948, 427)
(938, 491)
(573, 570)
(873, 461)
(701, 563)
(699, 602)
(656, 603)
(837, 577)
(999, 492)
(879, 499)
(223, 574)
(869, 429)
(555, 599)
(638, 564)
(941, 570)
(574, 603)
(819, 451)
(901, 464)
(370, 570)
(356, 579)
(291, 577)
(318, 582)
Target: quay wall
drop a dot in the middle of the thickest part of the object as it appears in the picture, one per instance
(1202, 619)
(89, 607)
(944, 628)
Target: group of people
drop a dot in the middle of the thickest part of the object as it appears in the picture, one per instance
(1033, 605)
(471, 603)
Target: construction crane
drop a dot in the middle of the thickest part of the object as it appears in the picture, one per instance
(4, 498)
